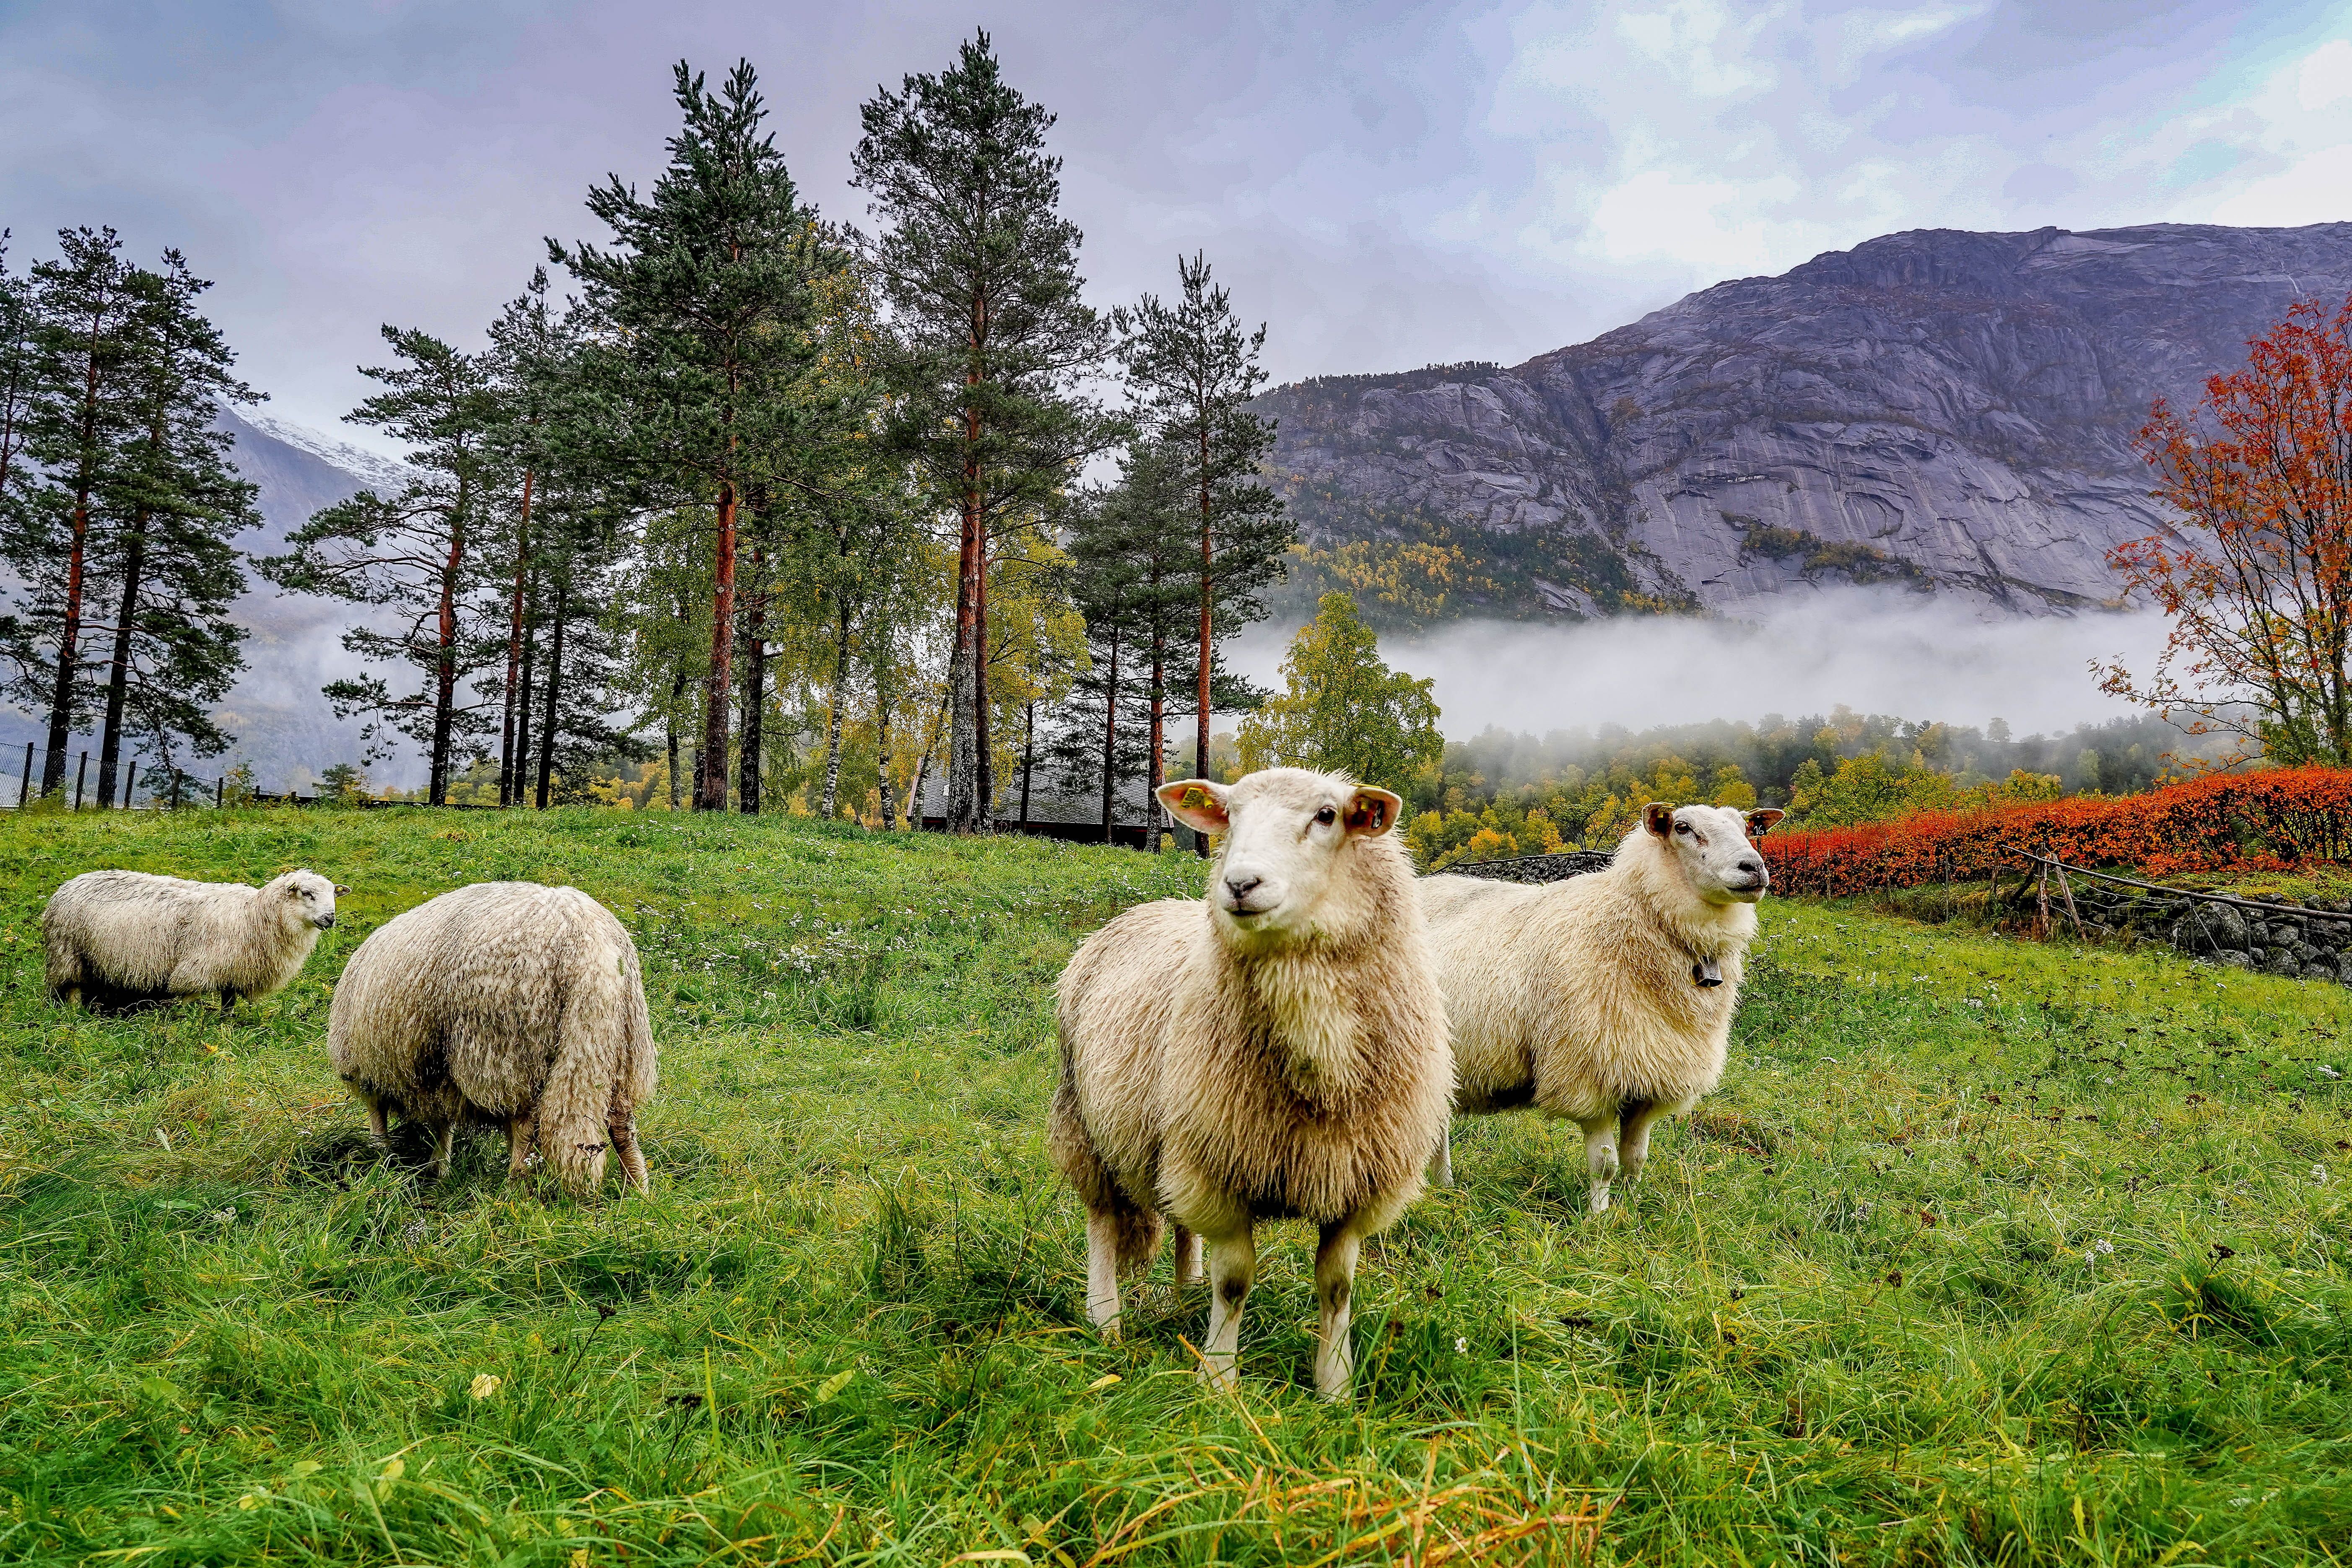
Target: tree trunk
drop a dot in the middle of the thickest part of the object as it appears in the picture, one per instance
(718, 685)
(1157, 765)
(755, 688)
(61, 698)
(118, 677)
(882, 744)
(669, 731)
(967, 810)
(1028, 758)
(516, 699)
(1111, 739)
(523, 732)
(832, 718)
(445, 672)
(547, 728)
(1208, 648)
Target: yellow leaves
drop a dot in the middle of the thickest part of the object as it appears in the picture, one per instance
(833, 1386)
(484, 1386)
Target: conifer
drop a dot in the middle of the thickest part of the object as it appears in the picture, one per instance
(706, 292)
(989, 339)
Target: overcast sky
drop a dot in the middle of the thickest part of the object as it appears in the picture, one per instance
(1444, 183)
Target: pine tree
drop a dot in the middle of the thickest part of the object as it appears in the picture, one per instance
(532, 366)
(17, 363)
(416, 553)
(979, 270)
(706, 292)
(174, 504)
(80, 413)
(1191, 372)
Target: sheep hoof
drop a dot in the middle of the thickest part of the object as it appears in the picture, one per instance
(1220, 1376)
(1599, 1198)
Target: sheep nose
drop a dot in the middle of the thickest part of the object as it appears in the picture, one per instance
(1240, 887)
(326, 921)
(1754, 867)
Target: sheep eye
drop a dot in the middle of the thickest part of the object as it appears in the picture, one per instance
(1682, 828)
(1326, 818)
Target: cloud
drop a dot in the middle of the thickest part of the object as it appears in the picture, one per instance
(1876, 650)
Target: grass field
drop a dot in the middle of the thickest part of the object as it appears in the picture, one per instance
(1984, 1252)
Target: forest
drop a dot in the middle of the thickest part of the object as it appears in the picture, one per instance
(740, 504)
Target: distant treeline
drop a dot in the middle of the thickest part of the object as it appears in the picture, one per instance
(1505, 794)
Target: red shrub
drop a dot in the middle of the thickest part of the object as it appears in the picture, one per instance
(2270, 820)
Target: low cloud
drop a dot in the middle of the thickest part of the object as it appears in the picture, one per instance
(1876, 651)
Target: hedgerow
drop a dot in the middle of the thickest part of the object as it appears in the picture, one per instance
(2273, 820)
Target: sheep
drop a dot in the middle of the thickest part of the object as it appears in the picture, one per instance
(1276, 1049)
(1605, 999)
(114, 938)
(507, 1003)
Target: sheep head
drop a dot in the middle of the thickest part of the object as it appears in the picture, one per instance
(1287, 837)
(1710, 846)
(304, 898)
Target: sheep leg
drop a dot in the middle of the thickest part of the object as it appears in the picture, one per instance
(1102, 1273)
(633, 1159)
(1335, 1285)
(522, 1131)
(445, 1137)
(1441, 1164)
(1635, 1118)
(379, 1130)
(1600, 1158)
(1233, 1265)
(1187, 1256)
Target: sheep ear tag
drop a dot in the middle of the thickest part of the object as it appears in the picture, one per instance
(1707, 975)
(1197, 804)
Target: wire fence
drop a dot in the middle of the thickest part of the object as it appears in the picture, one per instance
(79, 780)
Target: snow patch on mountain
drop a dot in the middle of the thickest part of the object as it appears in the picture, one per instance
(386, 476)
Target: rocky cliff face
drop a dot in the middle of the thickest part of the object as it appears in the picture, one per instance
(1947, 410)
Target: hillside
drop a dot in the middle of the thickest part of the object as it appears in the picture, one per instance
(1946, 411)
(1984, 1252)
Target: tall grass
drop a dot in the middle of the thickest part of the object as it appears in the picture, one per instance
(1984, 1253)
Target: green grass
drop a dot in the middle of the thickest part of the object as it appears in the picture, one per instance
(1984, 1252)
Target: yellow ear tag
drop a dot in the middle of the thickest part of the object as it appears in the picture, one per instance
(1194, 799)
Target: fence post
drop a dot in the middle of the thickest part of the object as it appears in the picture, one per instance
(218, 785)
(24, 784)
(175, 789)
(81, 774)
(2042, 902)
(129, 787)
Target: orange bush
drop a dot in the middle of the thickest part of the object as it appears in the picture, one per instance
(2270, 820)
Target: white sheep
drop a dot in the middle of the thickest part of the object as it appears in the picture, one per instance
(1606, 999)
(119, 937)
(504, 1002)
(1274, 1050)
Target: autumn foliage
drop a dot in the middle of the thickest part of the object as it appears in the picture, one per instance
(2258, 578)
(2270, 820)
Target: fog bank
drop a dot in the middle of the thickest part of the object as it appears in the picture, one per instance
(1876, 650)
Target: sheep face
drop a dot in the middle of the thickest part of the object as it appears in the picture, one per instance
(1284, 832)
(304, 898)
(1710, 844)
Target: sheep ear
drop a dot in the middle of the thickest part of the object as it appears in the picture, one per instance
(1373, 811)
(1197, 804)
(1760, 823)
(341, 888)
(1658, 816)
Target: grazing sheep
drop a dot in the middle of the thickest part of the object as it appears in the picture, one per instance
(120, 937)
(1604, 999)
(507, 1003)
(1276, 1050)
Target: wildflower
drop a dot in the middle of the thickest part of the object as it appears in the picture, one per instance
(1461, 1346)
(2319, 1172)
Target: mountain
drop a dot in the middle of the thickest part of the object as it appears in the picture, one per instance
(281, 722)
(283, 725)
(1948, 411)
